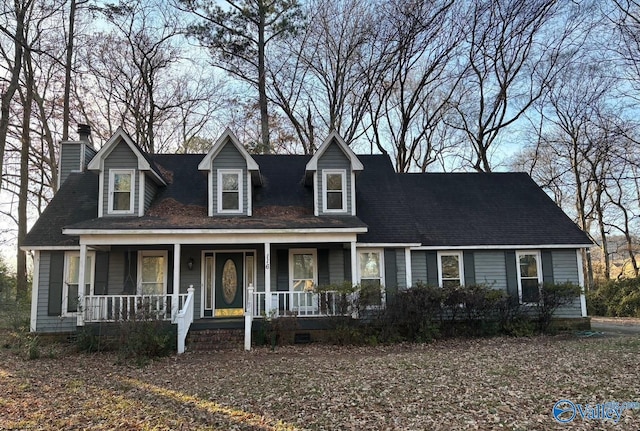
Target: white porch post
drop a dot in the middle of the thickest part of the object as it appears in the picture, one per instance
(34, 290)
(583, 298)
(248, 318)
(354, 273)
(354, 264)
(407, 264)
(81, 284)
(267, 278)
(175, 307)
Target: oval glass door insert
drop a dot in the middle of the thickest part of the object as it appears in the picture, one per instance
(229, 281)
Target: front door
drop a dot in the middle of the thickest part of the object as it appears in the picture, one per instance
(229, 284)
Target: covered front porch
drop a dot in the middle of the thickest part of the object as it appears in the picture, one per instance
(180, 278)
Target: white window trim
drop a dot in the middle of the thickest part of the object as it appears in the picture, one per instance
(383, 290)
(112, 173)
(460, 256)
(519, 276)
(65, 286)
(311, 251)
(238, 173)
(145, 253)
(343, 176)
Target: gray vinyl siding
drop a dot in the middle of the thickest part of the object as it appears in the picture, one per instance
(418, 267)
(334, 158)
(491, 269)
(69, 159)
(565, 269)
(45, 323)
(260, 270)
(229, 158)
(565, 266)
(336, 266)
(150, 190)
(191, 277)
(117, 272)
(121, 157)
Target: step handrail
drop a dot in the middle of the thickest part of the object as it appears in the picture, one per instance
(184, 319)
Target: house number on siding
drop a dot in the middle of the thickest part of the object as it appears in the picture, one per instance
(229, 281)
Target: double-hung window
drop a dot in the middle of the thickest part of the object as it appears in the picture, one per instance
(229, 190)
(450, 269)
(334, 190)
(371, 276)
(529, 268)
(121, 191)
(152, 270)
(70, 290)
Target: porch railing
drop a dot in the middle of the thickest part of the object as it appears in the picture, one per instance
(116, 308)
(300, 304)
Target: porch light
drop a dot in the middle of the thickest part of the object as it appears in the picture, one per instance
(190, 264)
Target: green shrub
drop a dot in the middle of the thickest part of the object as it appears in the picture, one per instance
(552, 297)
(423, 313)
(141, 340)
(615, 298)
(33, 347)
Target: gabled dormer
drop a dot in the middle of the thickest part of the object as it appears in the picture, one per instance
(332, 173)
(128, 179)
(232, 173)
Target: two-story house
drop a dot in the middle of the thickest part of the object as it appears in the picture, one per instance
(263, 231)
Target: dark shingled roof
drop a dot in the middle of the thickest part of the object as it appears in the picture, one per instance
(486, 209)
(382, 205)
(430, 209)
(76, 200)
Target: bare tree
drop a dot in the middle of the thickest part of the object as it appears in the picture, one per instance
(238, 37)
(409, 104)
(139, 76)
(513, 51)
(13, 26)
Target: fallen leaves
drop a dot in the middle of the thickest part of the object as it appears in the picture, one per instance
(456, 384)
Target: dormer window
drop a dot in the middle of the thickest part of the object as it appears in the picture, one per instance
(334, 184)
(121, 191)
(230, 190)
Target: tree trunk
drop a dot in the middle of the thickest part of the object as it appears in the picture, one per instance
(67, 73)
(14, 82)
(262, 86)
(22, 287)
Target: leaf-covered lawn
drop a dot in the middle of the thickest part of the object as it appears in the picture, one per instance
(482, 384)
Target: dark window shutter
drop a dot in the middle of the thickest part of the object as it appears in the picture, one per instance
(432, 268)
(282, 269)
(347, 264)
(101, 282)
(390, 274)
(469, 268)
(56, 278)
(547, 267)
(390, 270)
(130, 280)
(512, 274)
(323, 267)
